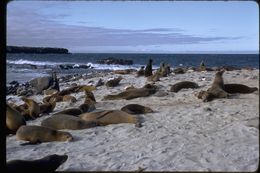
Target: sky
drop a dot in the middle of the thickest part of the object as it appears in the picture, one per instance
(135, 27)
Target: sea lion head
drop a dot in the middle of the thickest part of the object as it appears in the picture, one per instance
(220, 73)
(254, 89)
(148, 110)
(55, 160)
(84, 107)
(66, 136)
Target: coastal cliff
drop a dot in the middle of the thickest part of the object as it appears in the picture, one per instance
(41, 50)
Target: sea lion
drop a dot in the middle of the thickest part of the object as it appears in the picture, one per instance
(140, 72)
(69, 98)
(33, 107)
(46, 164)
(37, 134)
(136, 109)
(109, 117)
(154, 78)
(148, 69)
(14, 119)
(77, 111)
(63, 121)
(87, 88)
(127, 71)
(50, 91)
(90, 95)
(239, 88)
(202, 66)
(184, 84)
(48, 107)
(114, 82)
(216, 90)
(133, 93)
(100, 82)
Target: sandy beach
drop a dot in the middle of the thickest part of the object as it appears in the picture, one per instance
(183, 134)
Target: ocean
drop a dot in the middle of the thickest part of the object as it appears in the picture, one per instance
(24, 67)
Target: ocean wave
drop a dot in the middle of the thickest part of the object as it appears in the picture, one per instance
(38, 63)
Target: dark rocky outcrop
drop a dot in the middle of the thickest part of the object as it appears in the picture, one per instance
(41, 50)
(112, 60)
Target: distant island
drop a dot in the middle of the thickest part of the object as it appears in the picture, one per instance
(41, 50)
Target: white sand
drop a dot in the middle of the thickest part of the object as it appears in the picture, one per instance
(184, 134)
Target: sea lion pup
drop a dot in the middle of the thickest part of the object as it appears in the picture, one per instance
(48, 107)
(14, 119)
(140, 72)
(127, 71)
(136, 109)
(37, 134)
(69, 98)
(46, 164)
(148, 71)
(33, 107)
(218, 80)
(113, 82)
(109, 117)
(239, 88)
(145, 91)
(184, 84)
(63, 121)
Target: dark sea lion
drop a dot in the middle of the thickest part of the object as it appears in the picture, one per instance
(148, 71)
(14, 119)
(179, 70)
(63, 121)
(33, 107)
(133, 93)
(70, 111)
(46, 164)
(114, 82)
(100, 82)
(37, 134)
(184, 84)
(136, 109)
(109, 117)
(140, 72)
(239, 88)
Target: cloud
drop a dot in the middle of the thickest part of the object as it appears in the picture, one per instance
(29, 28)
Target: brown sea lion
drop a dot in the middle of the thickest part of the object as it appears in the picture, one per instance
(63, 121)
(37, 134)
(127, 71)
(14, 119)
(239, 88)
(69, 98)
(133, 93)
(148, 69)
(184, 84)
(90, 95)
(47, 107)
(202, 66)
(216, 90)
(109, 117)
(50, 91)
(46, 164)
(114, 82)
(87, 88)
(33, 107)
(136, 109)
(154, 78)
(140, 72)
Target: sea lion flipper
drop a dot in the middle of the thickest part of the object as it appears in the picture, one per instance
(32, 143)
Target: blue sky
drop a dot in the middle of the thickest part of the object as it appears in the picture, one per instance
(145, 27)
